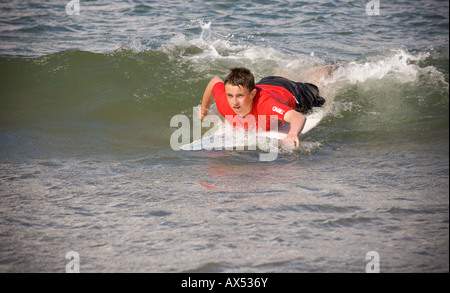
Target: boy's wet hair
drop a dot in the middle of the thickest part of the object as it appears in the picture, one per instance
(241, 76)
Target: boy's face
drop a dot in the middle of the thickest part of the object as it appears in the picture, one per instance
(240, 98)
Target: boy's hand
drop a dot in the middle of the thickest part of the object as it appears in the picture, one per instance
(208, 98)
(202, 112)
(293, 138)
(297, 121)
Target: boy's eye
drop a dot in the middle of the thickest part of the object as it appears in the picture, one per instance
(237, 96)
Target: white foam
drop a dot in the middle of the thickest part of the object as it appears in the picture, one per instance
(219, 52)
(398, 64)
(215, 48)
(211, 45)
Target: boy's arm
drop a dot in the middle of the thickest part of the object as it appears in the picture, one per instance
(208, 97)
(297, 121)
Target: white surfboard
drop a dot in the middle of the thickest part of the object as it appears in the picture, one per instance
(225, 140)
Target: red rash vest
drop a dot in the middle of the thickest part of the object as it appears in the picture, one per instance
(269, 100)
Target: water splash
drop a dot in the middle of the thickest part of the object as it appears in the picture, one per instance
(397, 64)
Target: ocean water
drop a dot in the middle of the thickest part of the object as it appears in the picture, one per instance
(86, 163)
